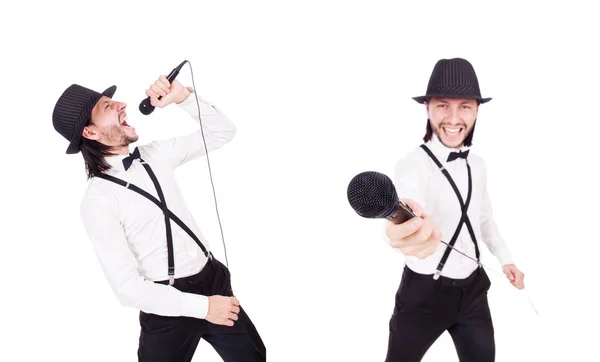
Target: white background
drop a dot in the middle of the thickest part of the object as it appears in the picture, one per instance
(320, 91)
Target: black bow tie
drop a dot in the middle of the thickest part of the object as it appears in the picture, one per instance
(127, 161)
(454, 155)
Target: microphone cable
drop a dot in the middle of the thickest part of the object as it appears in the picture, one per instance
(216, 204)
(208, 163)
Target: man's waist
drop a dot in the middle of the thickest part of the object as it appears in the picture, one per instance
(203, 274)
(157, 269)
(452, 269)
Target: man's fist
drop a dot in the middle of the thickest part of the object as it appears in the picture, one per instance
(515, 276)
(418, 236)
(170, 92)
(222, 310)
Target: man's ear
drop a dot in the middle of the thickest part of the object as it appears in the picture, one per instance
(91, 132)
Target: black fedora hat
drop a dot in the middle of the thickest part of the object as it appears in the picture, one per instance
(73, 110)
(453, 78)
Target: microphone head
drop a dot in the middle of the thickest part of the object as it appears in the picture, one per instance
(146, 107)
(372, 195)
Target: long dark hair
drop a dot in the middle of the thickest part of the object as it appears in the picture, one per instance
(93, 153)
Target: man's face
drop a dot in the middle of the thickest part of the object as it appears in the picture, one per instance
(109, 124)
(452, 119)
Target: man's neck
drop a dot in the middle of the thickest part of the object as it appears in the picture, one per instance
(121, 151)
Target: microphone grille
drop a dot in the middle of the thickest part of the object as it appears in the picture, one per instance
(372, 195)
(146, 107)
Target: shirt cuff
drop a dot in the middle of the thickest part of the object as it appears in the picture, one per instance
(504, 256)
(194, 305)
(190, 102)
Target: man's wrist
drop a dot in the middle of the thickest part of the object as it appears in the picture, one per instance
(194, 305)
(187, 91)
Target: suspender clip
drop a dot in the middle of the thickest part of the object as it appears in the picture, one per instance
(436, 276)
(171, 275)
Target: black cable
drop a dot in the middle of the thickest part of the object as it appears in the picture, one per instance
(208, 162)
(215, 199)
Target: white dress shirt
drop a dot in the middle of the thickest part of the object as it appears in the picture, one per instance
(417, 177)
(128, 231)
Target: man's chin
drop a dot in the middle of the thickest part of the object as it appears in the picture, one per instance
(132, 139)
(453, 141)
(452, 144)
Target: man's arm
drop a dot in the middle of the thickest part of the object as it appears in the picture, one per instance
(489, 230)
(495, 243)
(121, 270)
(218, 129)
(421, 236)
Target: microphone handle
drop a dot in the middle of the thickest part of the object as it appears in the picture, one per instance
(174, 73)
(402, 213)
(145, 106)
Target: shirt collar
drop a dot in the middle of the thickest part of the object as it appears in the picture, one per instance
(440, 150)
(116, 162)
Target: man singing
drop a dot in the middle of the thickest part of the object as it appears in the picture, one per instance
(446, 185)
(147, 242)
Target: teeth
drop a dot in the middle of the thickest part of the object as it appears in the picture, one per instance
(452, 130)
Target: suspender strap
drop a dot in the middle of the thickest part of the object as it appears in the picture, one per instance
(168, 215)
(165, 209)
(464, 219)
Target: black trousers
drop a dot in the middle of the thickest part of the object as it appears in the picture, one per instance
(175, 339)
(425, 308)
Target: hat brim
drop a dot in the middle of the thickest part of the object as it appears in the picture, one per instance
(422, 99)
(76, 142)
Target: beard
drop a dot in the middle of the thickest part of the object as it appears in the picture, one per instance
(116, 135)
(444, 138)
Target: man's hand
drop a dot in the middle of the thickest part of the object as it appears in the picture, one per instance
(222, 310)
(418, 236)
(170, 92)
(515, 276)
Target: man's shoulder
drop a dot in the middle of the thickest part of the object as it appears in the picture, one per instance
(475, 160)
(155, 150)
(150, 148)
(97, 192)
(416, 158)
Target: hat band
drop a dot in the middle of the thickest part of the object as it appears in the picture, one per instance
(460, 91)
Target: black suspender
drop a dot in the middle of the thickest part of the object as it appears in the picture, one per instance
(464, 218)
(168, 215)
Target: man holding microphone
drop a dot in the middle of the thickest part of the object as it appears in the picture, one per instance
(446, 185)
(154, 255)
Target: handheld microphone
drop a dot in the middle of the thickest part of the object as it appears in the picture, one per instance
(145, 106)
(373, 195)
